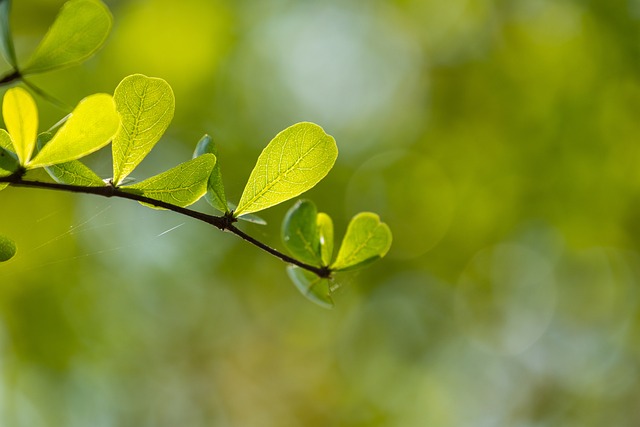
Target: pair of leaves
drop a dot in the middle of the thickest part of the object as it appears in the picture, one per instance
(79, 30)
(308, 235)
(89, 127)
(146, 106)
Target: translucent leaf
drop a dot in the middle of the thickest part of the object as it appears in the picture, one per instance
(316, 289)
(293, 162)
(215, 188)
(90, 127)
(366, 240)
(21, 119)
(325, 237)
(146, 107)
(180, 186)
(7, 248)
(73, 172)
(8, 163)
(6, 40)
(79, 30)
(5, 141)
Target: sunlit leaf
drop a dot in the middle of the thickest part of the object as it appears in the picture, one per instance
(7, 248)
(293, 162)
(366, 240)
(180, 186)
(73, 172)
(8, 163)
(91, 126)
(316, 289)
(79, 30)
(325, 237)
(146, 107)
(300, 234)
(21, 119)
(215, 188)
(6, 40)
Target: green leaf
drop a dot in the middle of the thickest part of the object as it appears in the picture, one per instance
(91, 126)
(7, 248)
(73, 172)
(6, 39)
(80, 28)
(325, 237)
(293, 162)
(146, 107)
(316, 289)
(300, 233)
(366, 240)
(8, 163)
(181, 185)
(215, 188)
(21, 119)
(5, 141)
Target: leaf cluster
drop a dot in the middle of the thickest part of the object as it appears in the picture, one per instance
(134, 118)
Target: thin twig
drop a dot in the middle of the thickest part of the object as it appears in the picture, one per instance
(224, 223)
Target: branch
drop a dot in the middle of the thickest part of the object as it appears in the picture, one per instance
(10, 78)
(224, 223)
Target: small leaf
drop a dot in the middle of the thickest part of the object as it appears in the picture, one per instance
(5, 141)
(181, 185)
(314, 288)
(300, 234)
(293, 162)
(215, 188)
(366, 240)
(325, 237)
(146, 106)
(73, 172)
(21, 118)
(79, 30)
(8, 163)
(92, 124)
(6, 39)
(7, 248)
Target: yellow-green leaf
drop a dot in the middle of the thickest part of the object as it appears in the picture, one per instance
(181, 185)
(366, 240)
(79, 30)
(146, 106)
(314, 288)
(91, 126)
(293, 162)
(21, 119)
(7, 248)
(325, 237)
(73, 172)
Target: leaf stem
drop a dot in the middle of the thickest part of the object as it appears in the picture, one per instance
(224, 223)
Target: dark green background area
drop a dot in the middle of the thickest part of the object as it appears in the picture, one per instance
(498, 139)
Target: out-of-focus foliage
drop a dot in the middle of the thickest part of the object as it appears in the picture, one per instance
(497, 139)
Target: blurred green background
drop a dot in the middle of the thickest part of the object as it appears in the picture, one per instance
(498, 139)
